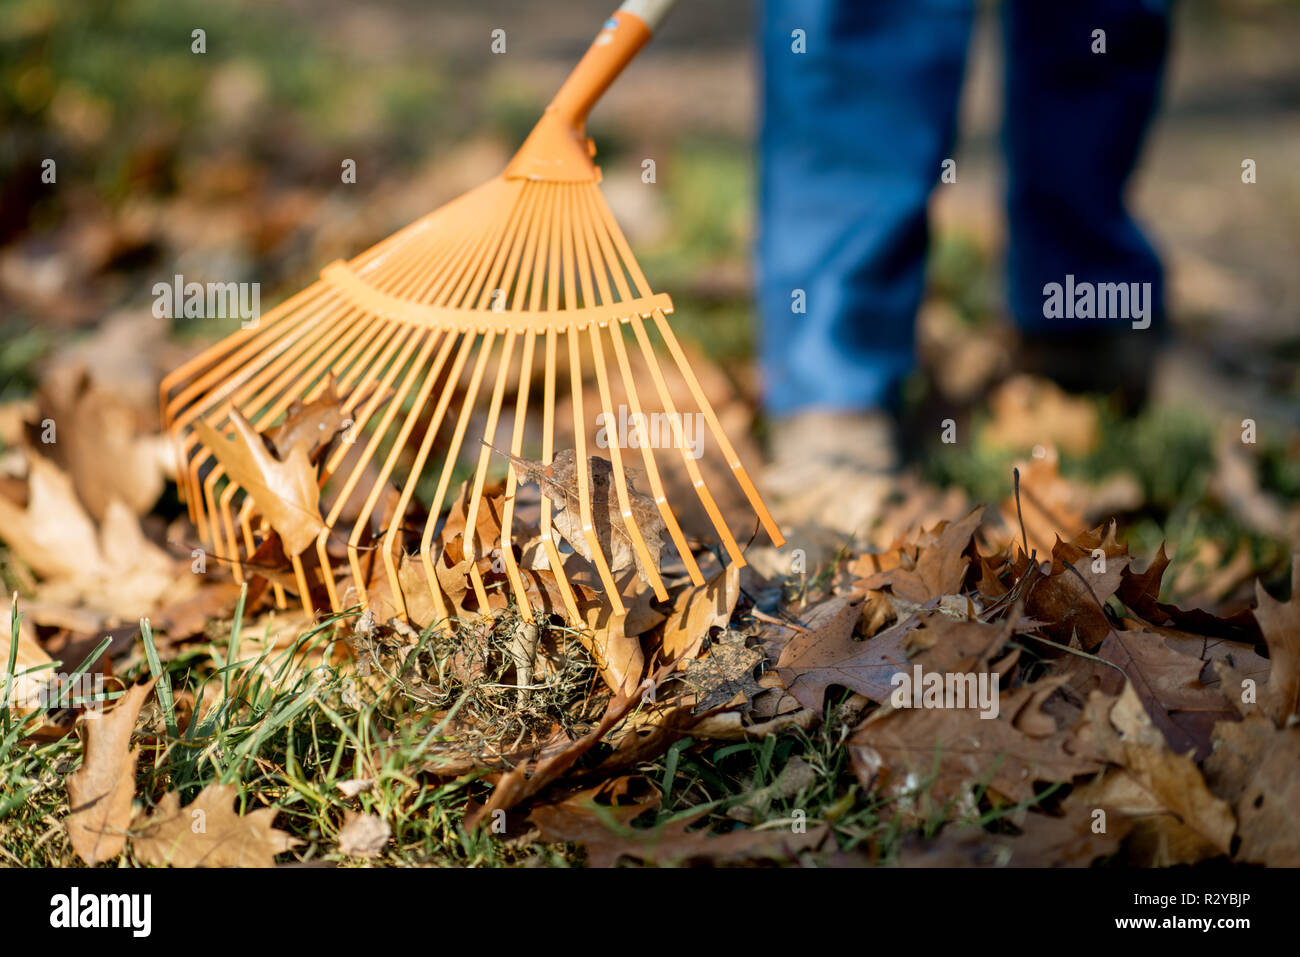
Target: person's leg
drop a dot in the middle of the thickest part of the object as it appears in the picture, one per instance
(1075, 119)
(854, 131)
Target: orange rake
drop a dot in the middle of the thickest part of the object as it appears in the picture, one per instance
(528, 268)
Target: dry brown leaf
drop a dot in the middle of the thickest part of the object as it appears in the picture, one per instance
(518, 785)
(99, 443)
(1280, 623)
(363, 835)
(1254, 767)
(559, 482)
(1029, 411)
(1177, 820)
(1072, 839)
(826, 654)
(313, 424)
(699, 609)
(53, 534)
(947, 752)
(938, 566)
(285, 491)
(208, 832)
(1069, 601)
(100, 791)
(26, 687)
(671, 844)
(725, 671)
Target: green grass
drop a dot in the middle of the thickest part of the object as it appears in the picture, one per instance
(288, 729)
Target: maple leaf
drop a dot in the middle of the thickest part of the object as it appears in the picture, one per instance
(100, 791)
(208, 833)
(284, 490)
(826, 654)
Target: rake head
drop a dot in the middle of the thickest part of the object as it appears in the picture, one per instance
(437, 341)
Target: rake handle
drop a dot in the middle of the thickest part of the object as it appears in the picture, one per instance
(621, 38)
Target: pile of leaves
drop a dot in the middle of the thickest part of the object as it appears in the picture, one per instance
(1121, 726)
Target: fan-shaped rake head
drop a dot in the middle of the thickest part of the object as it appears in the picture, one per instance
(471, 330)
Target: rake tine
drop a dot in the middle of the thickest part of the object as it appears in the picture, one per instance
(584, 478)
(733, 460)
(692, 469)
(647, 455)
(485, 450)
(376, 437)
(588, 263)
(381, 329)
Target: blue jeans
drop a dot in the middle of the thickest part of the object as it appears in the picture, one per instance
(855, 131)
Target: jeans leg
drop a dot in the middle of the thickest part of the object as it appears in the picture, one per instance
(853, 134)
(1073, 128)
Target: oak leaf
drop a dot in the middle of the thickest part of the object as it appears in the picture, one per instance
(826, 654)
(208, 833)
(559, 482)
(100, 791)
(1177, 819)
(285, 490)
(699, 609)
(947, 753)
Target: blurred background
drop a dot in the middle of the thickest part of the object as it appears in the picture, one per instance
(226, 166)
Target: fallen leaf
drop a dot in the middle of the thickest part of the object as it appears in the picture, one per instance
(53, 534)
(1280, 623)
(363, 835)
(100, 444)
(559, 482)
(938, 566)
(100, 791)
(943, 754)
(826, 654)
(723, 672)
(698, 610)
(284, 490)
(312, 424)
(1253, 767)
(518, 785)
(1028, 411)
(1177, 819)
(208, 832)
(1166, 682)
(25, 685)
(671, 844)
